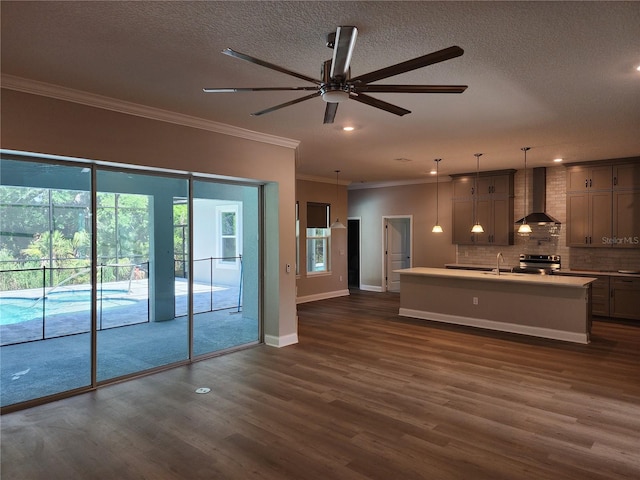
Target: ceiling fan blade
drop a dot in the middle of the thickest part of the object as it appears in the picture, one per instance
(259, 89)
(248, 58)
(286, 104)
(330, 112)
(374, 102)
(410, 88)
(342, 51)
(429, 59)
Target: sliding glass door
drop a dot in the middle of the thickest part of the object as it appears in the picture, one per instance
(45, 279)
(136, 246)
(226, 266)
(97, 279)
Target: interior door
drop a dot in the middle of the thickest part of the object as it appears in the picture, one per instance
(398, 250)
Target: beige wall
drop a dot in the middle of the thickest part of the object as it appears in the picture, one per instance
(35, 123)
(418, 200)
(334, 283)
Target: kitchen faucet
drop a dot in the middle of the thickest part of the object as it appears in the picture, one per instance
(498, 257)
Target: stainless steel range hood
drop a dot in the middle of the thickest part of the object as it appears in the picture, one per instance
(539, 215)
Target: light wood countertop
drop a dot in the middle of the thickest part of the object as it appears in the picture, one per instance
(521, 278)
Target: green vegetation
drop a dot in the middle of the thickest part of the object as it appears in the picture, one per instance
(45, 236)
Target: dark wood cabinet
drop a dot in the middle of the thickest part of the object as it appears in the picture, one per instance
(615, 296)
(625, 298)
(462, 212)
(626, 219)
(589, 219)
(600, 297)
(626, 176)
(603, 205)
(589, 178)
(489, 197)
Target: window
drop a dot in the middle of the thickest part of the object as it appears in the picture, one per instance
(318, 236)
(228, 235)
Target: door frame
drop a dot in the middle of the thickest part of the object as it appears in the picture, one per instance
(385, 219)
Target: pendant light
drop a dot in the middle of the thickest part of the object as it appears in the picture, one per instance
(477, 228)
(437, 228)
(524, 226)
(337, 223)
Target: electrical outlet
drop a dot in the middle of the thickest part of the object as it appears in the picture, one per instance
(475, 300)
(288, 268)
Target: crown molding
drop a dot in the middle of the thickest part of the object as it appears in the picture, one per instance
(397, 183)
(318, 179)
(35, 87)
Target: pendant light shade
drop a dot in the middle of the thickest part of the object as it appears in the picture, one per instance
(477, 228)
(437, 228)
(337, 224)
(524, 227)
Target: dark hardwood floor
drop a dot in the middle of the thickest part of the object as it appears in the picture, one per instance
(364, 395)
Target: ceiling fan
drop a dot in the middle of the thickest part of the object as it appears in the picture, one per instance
(337, 85)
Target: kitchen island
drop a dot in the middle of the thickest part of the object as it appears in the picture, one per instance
(546, 306)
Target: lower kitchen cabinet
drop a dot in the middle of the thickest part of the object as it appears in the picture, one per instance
(614, 296)
(625, 298)
(600, 297)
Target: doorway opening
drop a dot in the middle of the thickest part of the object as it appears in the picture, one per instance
(353, 252)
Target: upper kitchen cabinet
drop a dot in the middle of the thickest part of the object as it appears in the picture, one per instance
(603, 204)
(463, 188)
(589, 178)
(626, 218)
(488, 196)
(589, 219)
(627, 176)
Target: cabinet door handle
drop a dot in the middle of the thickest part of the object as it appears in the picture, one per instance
(615, 180)
(590, 182)
(586, 183)
(586, 240)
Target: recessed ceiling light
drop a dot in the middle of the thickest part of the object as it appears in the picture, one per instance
(638, 68)
(433, 172)
(348, 129)
(557, 160)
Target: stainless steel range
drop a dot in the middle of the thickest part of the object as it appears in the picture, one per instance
(538, 264)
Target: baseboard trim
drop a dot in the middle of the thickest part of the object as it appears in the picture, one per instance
(498, 326)
(322, 296)
(371, 288)
(284, 341)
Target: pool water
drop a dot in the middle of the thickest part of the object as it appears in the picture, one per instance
(21, 309)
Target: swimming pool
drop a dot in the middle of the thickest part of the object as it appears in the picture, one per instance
(21, 309)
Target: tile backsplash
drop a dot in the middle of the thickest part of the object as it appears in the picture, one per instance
(545, 240)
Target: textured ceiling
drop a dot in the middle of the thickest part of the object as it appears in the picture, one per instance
(556, 76)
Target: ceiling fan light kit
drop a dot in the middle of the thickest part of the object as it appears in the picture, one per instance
(337, 86)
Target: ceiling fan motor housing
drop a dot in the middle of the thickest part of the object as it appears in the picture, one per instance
(332, 89)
